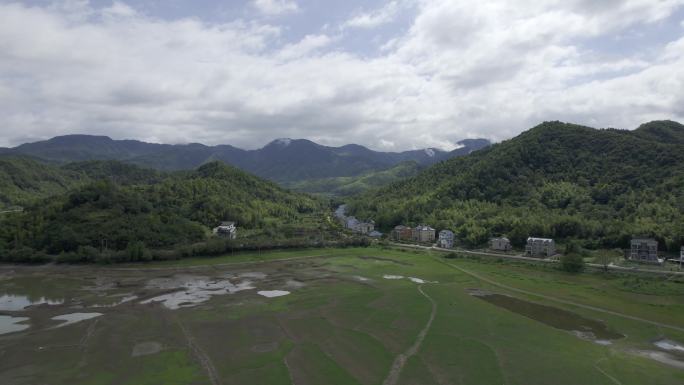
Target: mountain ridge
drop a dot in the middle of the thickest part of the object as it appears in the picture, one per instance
(281, 160)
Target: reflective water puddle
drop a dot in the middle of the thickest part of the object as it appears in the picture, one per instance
(9, 324)
(195, 291)
(273, 293)
(73, 318)
(11, 302)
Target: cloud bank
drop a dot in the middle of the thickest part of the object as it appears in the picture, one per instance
(459, 69)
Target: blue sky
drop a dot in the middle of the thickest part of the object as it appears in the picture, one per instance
(391, 75)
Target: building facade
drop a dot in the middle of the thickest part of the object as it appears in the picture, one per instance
(644, 250)
(423, 234)
(358, 226)
(540, 247)
(500, 244)
(446, 239)
(226, 229)
(401, 233)
(365, 227)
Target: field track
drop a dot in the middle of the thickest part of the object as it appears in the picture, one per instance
(400, 361)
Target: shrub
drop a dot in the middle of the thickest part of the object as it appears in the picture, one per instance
(572, 263)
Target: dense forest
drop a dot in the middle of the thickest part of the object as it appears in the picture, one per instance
(23, 180)
(124, 207)
(565, 181)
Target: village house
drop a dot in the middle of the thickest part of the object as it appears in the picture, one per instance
(226, 229)
(365, 227)
(446, 239)
(401, 233)
(644, 250)
(500, 244)
(540, 247)
(351, 223)
(358, 226)
(423, 234)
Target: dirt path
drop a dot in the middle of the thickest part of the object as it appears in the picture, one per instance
(563, 301)
(200, 355)
(400, 361)
(613, 379)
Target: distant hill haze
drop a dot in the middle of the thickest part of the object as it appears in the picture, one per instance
(283, 160)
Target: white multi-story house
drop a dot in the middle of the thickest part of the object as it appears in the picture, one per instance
(540, 247)
(446, 239)
(351, 223)
(365, 227)
(226, 229)
(500, 244)
(644, 250)
(423, 234)
(358, 226)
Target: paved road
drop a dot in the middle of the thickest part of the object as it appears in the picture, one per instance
(538, 260)
(563, 301)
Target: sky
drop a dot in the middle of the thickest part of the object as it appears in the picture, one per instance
(391, 75)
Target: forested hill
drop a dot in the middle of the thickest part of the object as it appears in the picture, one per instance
(558, 180)
(179, 209)
(23, 180)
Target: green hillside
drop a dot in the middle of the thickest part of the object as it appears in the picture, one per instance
(178, 210)
(344, 186)
(558, 180)
(115, 171)
(24, 180)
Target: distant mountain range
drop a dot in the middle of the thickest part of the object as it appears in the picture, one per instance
(283, 160)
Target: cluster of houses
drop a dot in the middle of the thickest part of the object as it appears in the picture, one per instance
(644, 250)
(362, 227)
(536, 247)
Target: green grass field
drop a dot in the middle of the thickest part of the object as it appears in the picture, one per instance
(343, 323)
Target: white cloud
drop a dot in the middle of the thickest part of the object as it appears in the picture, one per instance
(118, 9)
(309, 44)
(463, 69)
(275, 7)
(383, 15)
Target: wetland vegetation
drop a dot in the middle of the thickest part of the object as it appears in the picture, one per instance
(343, 322)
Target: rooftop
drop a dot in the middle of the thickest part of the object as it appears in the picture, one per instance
(533, 239)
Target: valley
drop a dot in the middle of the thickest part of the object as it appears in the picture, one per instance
(341, 321)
